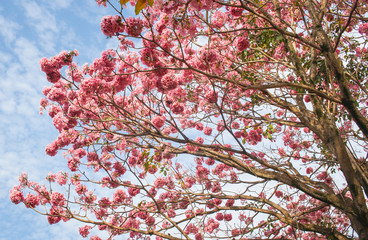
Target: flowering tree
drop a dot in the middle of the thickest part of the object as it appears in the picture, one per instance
(214, 119)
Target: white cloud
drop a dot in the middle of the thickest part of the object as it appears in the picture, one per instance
(43, 23)
(94, 14)
(8, 29)
(58, 4)
(41, 18)
(28, 55)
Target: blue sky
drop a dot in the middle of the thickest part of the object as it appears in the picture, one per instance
(30, 30)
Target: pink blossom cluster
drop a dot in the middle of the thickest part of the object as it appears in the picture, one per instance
(53, 65)
(363, 28)
(191, 229)
(16, 195)
(101, 2)
(167, 83)
(134, 26)
(211, 225)
(84, 231)
(235, 11)
(112, 25)
(31, 200)
(254, 136)
(242, 44)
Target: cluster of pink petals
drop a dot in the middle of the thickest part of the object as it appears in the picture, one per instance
(363, 28)
(242, 44)
(111, 25)
(53, 65)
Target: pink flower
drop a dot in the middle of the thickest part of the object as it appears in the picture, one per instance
(191, 228)
(242, 44)
(158, 121)
(31, 200)
(80, 189)
(134, 26)
(53, 110)
(235, 232)
(211, 225)
(60, 122)
(322, 176)
(61, 178)
(309, 170)
(103, 3)
(159, 182)
(121, 82)
(210, 56)
(363, 28)
(235, 125)
(167, 83)
(279, 194)
(209, 161)
(44, 102)
(220, 126)
(15, 195)
(302, 197)
(149, 57)
(211, 97)
(199, 126)
(95, 238)
(219, 19)
(57, 199)
(55, 215)
(328, 180)
(216, 187)
(84, 231)
(207, 131)
(133, 191)
(219, 216)
(254, 137)
(189, 213)
(119, 196)
(228, 216)
(230, 202)
(150, 221)
(89, 197)
(23, 179)
(189, 181)
(198, 236)
(202, 173)
(282, 151)
(54, 76)
(142, 215)
(111, 25)
(171, 213)
(177, 108)
(92, 157)
(199, 140)
(235, 11)
(47, 66)
(104, 202)
(307, 98)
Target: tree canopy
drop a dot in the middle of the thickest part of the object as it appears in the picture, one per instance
(224, 119)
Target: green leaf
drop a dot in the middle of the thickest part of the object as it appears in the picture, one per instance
(139, 6)
(146, 166)
(150, 2)
(269, 136)
(123, 2)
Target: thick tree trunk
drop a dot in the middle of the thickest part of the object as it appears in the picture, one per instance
(359, 214)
